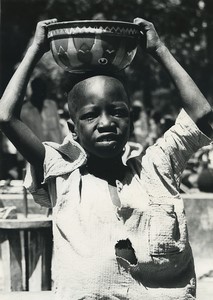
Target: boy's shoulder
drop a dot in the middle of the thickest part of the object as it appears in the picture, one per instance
(63, 158)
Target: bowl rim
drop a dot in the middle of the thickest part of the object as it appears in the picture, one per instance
(91, 22)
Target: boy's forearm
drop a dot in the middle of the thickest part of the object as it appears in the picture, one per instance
(14, 94)
(192, 99)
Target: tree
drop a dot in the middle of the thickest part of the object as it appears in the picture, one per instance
(184, 25)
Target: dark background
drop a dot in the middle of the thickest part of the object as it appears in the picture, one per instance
(186, 26)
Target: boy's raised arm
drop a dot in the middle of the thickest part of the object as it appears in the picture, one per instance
(19, 134)
(193, 101)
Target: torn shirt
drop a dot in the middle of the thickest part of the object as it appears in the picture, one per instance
(87, 226)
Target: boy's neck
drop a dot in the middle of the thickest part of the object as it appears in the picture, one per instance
(108, 169)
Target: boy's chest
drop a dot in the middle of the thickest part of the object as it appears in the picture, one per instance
(114, 195)
(100, 212)
(89, 192)
(100, 194)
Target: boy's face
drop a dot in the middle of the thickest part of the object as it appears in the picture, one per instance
(102, 116)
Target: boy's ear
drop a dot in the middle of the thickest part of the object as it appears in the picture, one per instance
(72, 128)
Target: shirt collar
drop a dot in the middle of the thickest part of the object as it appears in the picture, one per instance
(75, 152)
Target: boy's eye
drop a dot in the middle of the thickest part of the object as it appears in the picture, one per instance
(88, 116)
(120, 113)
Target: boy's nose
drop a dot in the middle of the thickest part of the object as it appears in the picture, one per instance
(105, 122)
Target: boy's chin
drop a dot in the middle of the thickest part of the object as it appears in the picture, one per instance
(107, 153)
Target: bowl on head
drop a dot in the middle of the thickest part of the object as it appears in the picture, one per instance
(87, 45)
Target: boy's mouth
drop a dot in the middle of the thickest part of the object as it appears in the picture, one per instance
(107, 138)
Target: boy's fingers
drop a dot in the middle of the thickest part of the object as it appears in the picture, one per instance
(139, 20)
(144, 24)
(54, 20)
(48, 22)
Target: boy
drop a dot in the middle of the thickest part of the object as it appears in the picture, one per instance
(118, 223)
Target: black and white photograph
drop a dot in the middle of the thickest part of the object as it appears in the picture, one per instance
(106, 149)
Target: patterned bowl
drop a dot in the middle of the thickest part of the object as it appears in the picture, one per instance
(87, 45)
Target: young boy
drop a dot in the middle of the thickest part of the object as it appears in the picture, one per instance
(118, 223)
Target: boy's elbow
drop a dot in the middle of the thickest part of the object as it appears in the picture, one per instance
(206, 113)
(205, 121)
(199, 112)
(207, 109)
(5, 119)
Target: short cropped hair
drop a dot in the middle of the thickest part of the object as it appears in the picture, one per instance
(73, 90)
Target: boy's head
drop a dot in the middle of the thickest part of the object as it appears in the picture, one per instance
(99, 107)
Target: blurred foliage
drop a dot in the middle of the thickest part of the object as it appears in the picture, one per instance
(184, 25)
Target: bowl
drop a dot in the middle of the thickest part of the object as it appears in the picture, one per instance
(88, 45)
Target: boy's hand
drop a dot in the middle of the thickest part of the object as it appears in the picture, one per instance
(150, 41)
(40, 39)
